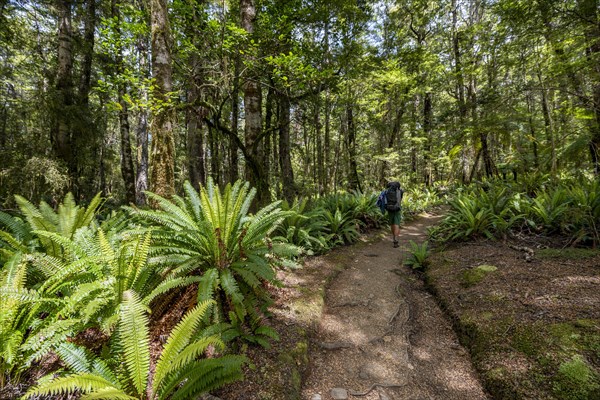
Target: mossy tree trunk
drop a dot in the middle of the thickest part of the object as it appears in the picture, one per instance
(162, 176)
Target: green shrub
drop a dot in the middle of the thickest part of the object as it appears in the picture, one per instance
(302, 227)
(212, 233)
(417, 258)
(123, 372)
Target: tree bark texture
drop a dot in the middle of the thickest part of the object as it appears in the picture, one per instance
(195, 114)
(127, 171)
(162, 177)
(353, 179)
(141, 181)
(253, 112)
(285, 159)
(61, 133)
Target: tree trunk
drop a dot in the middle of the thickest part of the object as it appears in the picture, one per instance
(266, 154)
(85, 134)
(61, 133)
(327, 143)
(235, 110)
(127, 171)
(353, 179)
(141, 182)
(162, 177)
(532, 131)
(321, 167)
(253, 113)
(548, 126)
(285, 160)
(194, 117)
(589, 11)
(427, 127)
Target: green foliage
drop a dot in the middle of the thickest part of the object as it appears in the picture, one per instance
(302, 227)
(124, 373)
(417, 258)
(64, 222)
(212, 233)
(24, 336)
(341, 228)
(500, 208)
(417, 200)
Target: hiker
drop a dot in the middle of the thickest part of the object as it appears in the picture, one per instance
(390, 200)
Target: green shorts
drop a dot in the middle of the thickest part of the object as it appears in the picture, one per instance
(395, 217)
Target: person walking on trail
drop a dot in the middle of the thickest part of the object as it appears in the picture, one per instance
(390, 200)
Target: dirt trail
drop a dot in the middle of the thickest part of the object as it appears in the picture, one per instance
(380, 326)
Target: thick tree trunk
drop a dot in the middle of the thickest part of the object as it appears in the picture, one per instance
(85, 134)
(61, 133)
(162, 177)
(253, 114)
(195, 114)
(590, 12)
(127, 171)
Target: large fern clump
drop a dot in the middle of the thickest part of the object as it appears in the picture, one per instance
(24, 334)
(123, 372)
(212, 233)
(304, 227)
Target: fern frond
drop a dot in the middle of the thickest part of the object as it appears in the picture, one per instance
(109, 393)
(85, 383)
(14, 273)
(208, 284)
(169, 284)
(133, 333)
(59, 241)
(206, 375)
(185, 357)
(90, 212)
(75, 357)
(193, 200)
(178, 340)
(247, 275)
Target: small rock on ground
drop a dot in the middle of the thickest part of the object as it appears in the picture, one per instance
(339, 394)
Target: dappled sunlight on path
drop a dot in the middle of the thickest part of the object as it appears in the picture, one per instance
(380, 326)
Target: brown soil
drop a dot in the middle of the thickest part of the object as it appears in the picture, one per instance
(523, 320)
(392, 331)
(354, 318)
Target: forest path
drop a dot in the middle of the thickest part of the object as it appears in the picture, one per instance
(380, 326)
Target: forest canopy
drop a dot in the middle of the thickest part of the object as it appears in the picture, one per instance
(298, 97)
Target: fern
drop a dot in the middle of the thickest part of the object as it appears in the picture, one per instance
(210, 232)
(180, 371)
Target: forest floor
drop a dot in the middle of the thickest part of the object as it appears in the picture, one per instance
(357, 317)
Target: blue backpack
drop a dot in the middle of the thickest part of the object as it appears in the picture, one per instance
(391, 198)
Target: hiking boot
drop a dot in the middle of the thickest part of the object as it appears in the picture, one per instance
(395, 243)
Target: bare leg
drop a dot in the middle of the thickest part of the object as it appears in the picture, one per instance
(395, 233)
